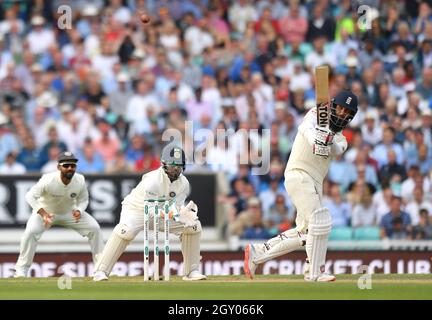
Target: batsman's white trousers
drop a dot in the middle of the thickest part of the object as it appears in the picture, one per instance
(305, 193)
(87, 226)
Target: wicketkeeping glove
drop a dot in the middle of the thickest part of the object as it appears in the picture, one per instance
(189, 214)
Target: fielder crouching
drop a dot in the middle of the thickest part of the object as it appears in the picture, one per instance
(168, 183)
(307, 166)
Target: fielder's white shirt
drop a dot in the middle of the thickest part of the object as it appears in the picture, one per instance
(51, 194)
(157, 185)
(302, 157)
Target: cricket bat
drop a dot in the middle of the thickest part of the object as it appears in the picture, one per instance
(322, 95)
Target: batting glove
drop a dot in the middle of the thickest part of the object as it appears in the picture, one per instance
(323, 136)
(321, 150)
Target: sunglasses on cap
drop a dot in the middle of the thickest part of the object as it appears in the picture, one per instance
(68, 165)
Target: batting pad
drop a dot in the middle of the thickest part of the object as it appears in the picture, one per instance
(114, 248)
(283, 243)
(190, 246)
(320, 225)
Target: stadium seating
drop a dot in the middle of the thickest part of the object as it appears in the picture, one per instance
(366, 233)
(341, 234)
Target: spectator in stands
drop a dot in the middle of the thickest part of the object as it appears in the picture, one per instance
(370, 129)
(268, 196)
(367, 55)
(423, 230)
(148, 162)
(319, 55)
(392, 168)
(380, 152)
(279, 217)
(248, 223)
(11, 166)
(90, 161)
(426, 126)
(293, 26)
(425, 86)
(424, 159)
(53, 140)
(414, 178)
(363, 211)
(141, 106)
(240, 13)
(51, 164)
(120, 97)
(396, 224)
(342, 172)
(8, 140)
(107, 145)
(418, 202)
(29, 156)
(320, 25)
(339, 208)
(119, 164)
(40, 38)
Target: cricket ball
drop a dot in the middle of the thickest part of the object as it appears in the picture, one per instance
(145, 18)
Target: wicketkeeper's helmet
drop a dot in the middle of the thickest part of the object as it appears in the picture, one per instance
(173, 156)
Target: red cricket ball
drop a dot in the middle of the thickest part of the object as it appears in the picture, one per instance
(145, 18)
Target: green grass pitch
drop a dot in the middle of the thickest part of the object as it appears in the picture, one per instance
(221, 288)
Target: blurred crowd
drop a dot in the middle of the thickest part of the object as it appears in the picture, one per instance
(108, 87)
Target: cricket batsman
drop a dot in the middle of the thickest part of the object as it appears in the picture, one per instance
(168, 183)
(313, 148)
(58, 198)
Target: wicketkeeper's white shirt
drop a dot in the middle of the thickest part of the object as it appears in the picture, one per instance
(302, 156)
(51, 194)
(157, 185)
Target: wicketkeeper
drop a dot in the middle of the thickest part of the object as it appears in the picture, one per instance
(307, 166)
(168, 183)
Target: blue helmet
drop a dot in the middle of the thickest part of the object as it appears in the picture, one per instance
(348, 100)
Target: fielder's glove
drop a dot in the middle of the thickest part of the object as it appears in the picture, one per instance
(189, 214)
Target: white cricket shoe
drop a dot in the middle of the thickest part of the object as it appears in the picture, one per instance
(323, 277)
(249, 264)
(19, 273)
(100, 276)
(306, 269)
(194, 275)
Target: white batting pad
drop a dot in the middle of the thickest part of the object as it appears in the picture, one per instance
(320, 225)
(114, 248)
(190, 246)
(283, 243)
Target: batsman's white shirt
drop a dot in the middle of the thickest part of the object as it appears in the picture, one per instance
(305, 171)
(55, 197)
(157, 185)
